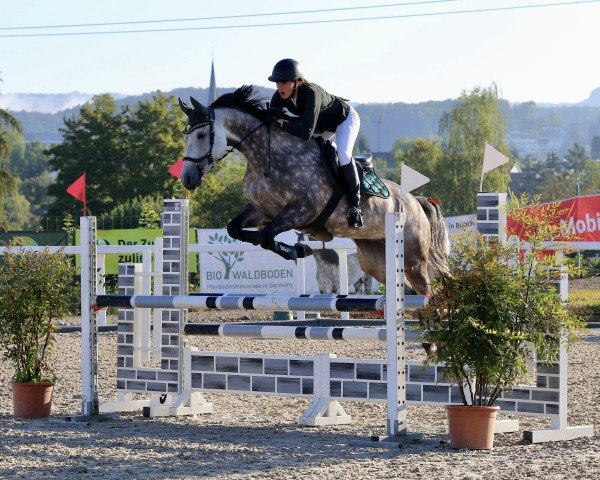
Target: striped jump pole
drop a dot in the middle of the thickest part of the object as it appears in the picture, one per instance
(250, 302)
(410, 301)
(282, 332)
(347, 334)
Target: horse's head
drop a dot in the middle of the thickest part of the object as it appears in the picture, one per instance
(205, 143)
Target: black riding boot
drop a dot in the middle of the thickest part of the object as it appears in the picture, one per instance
(352, 188)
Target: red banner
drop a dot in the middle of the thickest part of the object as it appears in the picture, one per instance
(582, 218)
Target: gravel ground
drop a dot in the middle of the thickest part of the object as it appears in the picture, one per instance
(258, 437)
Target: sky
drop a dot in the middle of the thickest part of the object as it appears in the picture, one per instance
(540, 54)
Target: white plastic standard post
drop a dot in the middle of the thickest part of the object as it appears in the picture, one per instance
(394, 318)
(90, 409)
(101, 264)
(158, 290)
(89, 394)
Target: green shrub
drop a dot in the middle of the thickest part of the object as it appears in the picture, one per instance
(495, 306)
(33, 288)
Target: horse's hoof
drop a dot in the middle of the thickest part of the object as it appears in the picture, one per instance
(303, 250)
(285, 251)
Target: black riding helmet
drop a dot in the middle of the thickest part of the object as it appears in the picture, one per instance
(286, 70)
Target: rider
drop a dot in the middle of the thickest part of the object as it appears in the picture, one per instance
(324, 114)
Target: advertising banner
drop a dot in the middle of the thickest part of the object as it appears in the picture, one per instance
(135, 236)
(460, 222)
(581, 217)
(250, 272)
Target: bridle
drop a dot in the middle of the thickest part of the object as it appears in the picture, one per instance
(206, 162)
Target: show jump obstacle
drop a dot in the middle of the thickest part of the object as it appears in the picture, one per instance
(152, 357)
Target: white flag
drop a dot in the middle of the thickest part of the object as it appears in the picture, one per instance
(411, 179)
(492, 158)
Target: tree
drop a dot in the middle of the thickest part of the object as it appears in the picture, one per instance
(149, 218)
(221, 196)
(126, 154)
(424, 156)
(559, 177)
(133, 213)
(93, 143)
(8, 184)
(595, 147)
(29, 162)
(155, 142)
(473, 121)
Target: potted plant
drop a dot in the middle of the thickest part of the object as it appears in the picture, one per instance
(495, 306)
(33, 296)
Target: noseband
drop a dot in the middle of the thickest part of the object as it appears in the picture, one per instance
(207, 160)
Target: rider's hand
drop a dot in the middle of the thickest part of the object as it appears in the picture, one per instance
(280, 122)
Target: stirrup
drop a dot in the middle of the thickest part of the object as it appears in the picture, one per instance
(355, 218)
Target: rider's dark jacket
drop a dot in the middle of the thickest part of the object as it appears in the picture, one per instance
(318, 110)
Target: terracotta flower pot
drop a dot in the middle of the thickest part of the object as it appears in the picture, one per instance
(471, 427)
(32, 399)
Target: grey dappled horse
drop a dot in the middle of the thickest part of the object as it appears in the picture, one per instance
(287, 188)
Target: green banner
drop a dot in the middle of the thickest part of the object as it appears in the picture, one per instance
(34, 239)
(136, 236)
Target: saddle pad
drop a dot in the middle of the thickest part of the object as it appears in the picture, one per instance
(371, 184)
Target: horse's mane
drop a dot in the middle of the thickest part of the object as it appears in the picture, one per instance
(244, 98)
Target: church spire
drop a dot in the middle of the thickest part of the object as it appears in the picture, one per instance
(212, 89)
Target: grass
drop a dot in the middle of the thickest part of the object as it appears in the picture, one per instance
(585, 298)
(586, 303)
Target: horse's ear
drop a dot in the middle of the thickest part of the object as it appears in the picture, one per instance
(187, 110)
(201, 109)
(197, 105)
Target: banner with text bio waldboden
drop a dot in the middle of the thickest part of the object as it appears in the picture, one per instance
(243, 271)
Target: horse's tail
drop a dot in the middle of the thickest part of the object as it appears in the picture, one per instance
(439, 250)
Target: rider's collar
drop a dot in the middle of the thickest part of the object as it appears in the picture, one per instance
(198, 118)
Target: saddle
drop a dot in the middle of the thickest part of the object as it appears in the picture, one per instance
(370, 183)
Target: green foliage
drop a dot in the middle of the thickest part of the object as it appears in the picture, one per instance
(148, 217)
(424, 156)
(68, 225)
(29, 162)
(220, 197)
(595, 147)
(32, 298)
(93, 143)
(557, 177)
(133, 213)
(473, 121)
(154, 143)
(125, 154)
(8, 182)
(493, 307)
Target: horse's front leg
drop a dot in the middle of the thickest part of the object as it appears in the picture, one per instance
(250, 217)
(289, 218)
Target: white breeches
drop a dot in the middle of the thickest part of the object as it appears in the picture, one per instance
(345, 136)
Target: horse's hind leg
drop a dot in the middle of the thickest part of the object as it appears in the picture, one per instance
(248, 218)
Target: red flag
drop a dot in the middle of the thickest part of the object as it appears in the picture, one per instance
(77, 190)
(176, 168)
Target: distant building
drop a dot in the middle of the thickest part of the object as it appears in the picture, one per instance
(212, 89)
